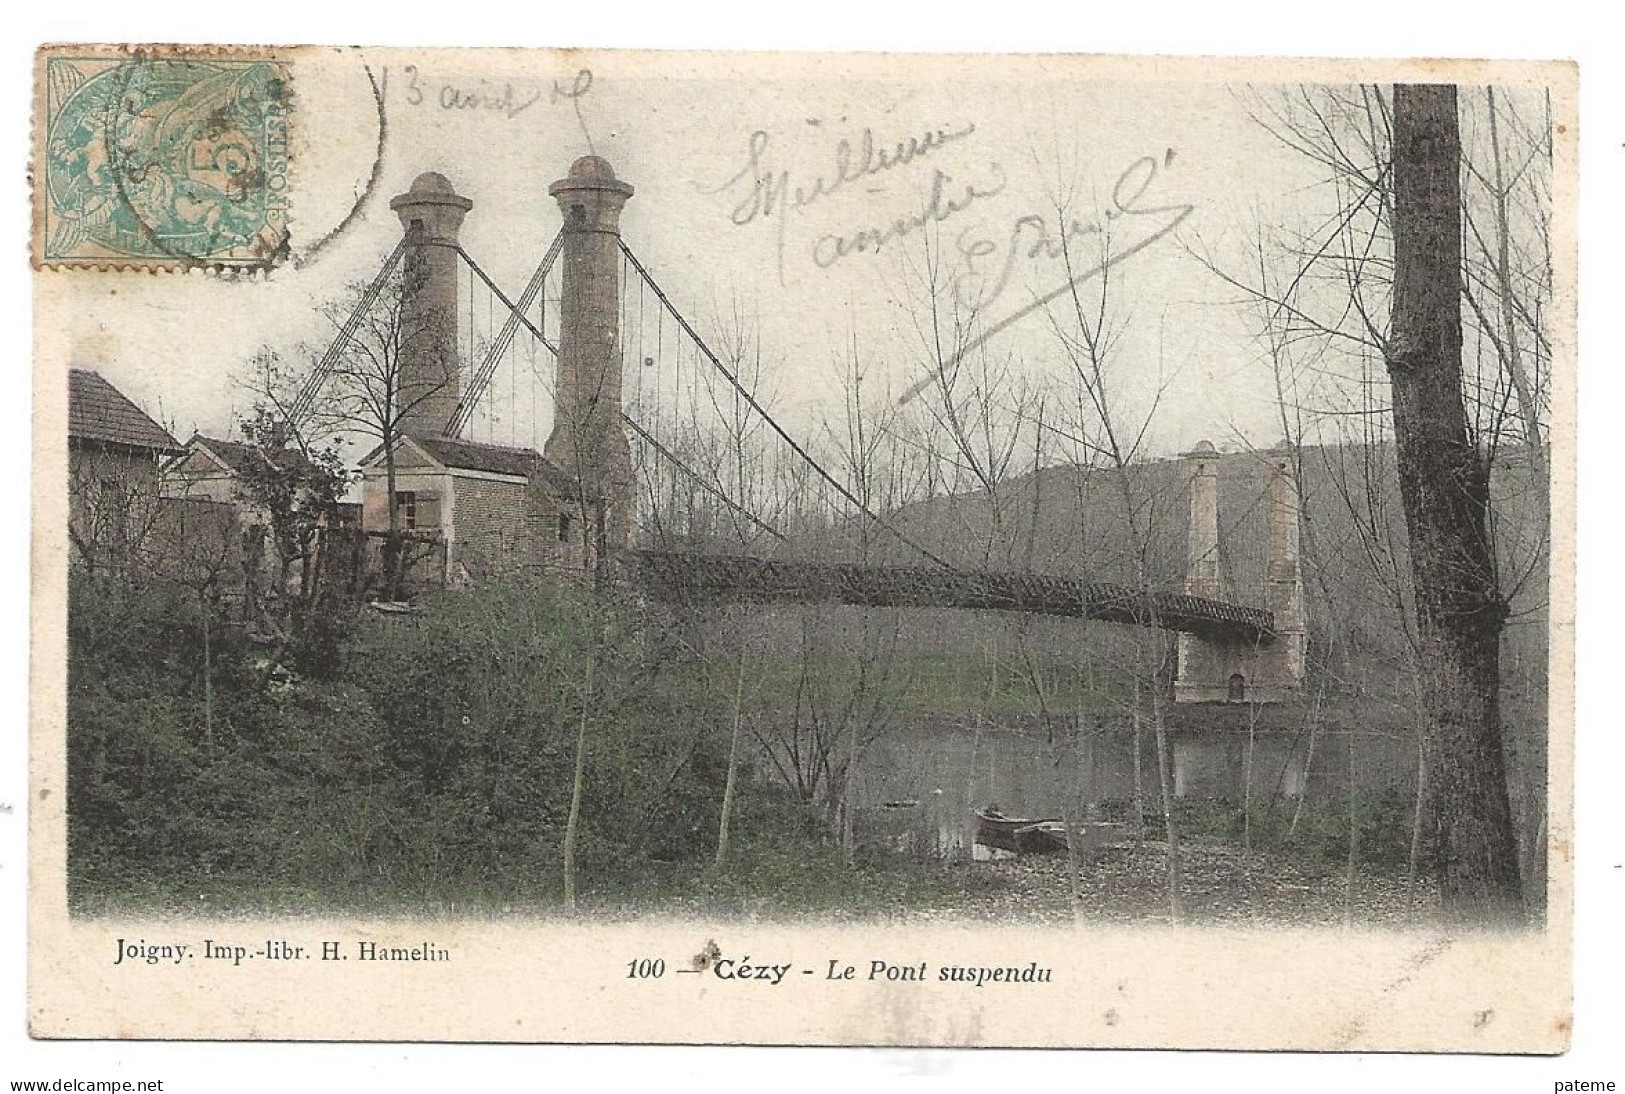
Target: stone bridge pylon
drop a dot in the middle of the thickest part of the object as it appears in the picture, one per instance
(1223, 670)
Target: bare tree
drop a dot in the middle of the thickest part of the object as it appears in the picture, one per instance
(1324, 294)
(975, 409)
(200, 550)
(371, 388)
(115, 506)
(1088, 331)
(1445, 485)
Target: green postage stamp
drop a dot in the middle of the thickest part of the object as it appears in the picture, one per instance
(160, 159)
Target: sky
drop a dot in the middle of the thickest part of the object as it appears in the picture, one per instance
(997, 144)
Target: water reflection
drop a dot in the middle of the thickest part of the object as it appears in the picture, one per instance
(916, 787)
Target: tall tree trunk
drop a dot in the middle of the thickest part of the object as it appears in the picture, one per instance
(577, 782)
(1247, 777)
(726, 820)
(849, 836)
(394, 548)
(1308, 765)
(1074, 861)
(972, 800)
(1351, 861)
(1139, 764)
(1444, 486)
(208, 678)
(1070, 827)
(1419, 814)
(1165, 780)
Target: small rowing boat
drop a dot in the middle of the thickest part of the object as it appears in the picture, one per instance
(1023, 835)
(1029, 836)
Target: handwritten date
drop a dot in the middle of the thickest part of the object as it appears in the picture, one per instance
(508, 98)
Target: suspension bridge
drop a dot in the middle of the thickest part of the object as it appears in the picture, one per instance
(634, 390)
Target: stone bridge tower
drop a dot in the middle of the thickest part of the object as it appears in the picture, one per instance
(430, 375)
(1271, 671)
(588, 442)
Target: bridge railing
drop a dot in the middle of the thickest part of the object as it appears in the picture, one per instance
(709, 577)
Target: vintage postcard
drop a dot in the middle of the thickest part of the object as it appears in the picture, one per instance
(987, 550)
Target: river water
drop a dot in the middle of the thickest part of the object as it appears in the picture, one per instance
(915, 786)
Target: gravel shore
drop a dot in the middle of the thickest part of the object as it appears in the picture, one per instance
(1220, 882)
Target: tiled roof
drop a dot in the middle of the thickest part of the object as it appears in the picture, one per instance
(496, 458)
(239, 456)
(500, 459)
(473, 456)
(98, 411)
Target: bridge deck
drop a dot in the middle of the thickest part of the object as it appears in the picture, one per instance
(696, 577)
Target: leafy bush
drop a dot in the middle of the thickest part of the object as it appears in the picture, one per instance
(432, 760)
(1322, 833)
(482, 697)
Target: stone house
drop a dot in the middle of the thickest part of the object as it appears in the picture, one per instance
(210, 473)
(116, 454)
(210, 468)
(500, 511)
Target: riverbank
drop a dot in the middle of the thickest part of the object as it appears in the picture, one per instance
(1221, 883)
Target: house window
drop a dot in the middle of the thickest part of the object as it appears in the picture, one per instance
(419, 511)
(564, 527)
(113, 522)
(1238, 688)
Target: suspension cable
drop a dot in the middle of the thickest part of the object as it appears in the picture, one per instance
(306, 399)
(750, 399)
(700, 480)
(516, 316)
(509, 304)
